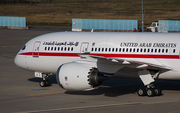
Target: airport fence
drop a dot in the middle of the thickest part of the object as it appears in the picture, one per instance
(104, 24)
(12, 22)
(169, 26)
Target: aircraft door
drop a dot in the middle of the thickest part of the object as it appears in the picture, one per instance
(36, 47)
(84, 47)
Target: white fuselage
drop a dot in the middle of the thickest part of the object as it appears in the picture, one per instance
(47, 52)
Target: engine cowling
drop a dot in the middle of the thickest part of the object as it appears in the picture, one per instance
(78, 77)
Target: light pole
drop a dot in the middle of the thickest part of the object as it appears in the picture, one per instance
(142, 18)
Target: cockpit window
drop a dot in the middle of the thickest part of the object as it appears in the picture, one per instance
(24, 47)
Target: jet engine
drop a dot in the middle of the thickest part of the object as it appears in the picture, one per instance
(79, 77)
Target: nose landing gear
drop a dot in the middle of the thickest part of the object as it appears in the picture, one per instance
(45, 82)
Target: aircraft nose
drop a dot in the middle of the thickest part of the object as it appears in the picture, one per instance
(18, 60)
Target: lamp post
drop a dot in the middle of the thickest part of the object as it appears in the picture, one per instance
(142, 17)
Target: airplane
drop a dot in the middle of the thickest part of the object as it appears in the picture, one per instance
(81, 61)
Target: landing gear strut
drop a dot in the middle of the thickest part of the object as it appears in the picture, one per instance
(45, 82)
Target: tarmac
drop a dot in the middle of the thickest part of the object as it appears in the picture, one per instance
(20, 91)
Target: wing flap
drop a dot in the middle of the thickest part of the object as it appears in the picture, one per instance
(123, 61)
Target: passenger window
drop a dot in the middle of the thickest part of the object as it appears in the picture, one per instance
(65, 49)
(99, 49)
(116, 49)
(137, 49)
(106, 49)
(58, 48)
(144, 50)
(148, 50)
(134, 50)
(44, 49)
(126, 49)
(71, 48)
(119, 49)
(155, 50)
(141, 50)
(61, 48)
(151, 50)
(159, 50)
(130, 50)
(55, 49)
(123, 49)
(112, 49)
(109, 49)
(95, 49)
(68, 48)
(162, 50)
(174, 50)
(51, 48)
(92, 49)
(48, 48)
(166, 50)
(102, 49)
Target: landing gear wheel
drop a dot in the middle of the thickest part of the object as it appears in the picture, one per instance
(142, 92)
(150, 92)
(158, 91)
(42, 83)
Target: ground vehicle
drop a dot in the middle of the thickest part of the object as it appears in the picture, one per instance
(154, 27)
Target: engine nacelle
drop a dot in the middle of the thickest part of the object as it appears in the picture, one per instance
(78, 77)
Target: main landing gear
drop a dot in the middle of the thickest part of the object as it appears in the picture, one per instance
(150, 90)
(45, 82)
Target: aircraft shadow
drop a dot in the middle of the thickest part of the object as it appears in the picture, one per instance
(117, 86)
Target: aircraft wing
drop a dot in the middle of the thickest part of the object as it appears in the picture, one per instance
(126, 61)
